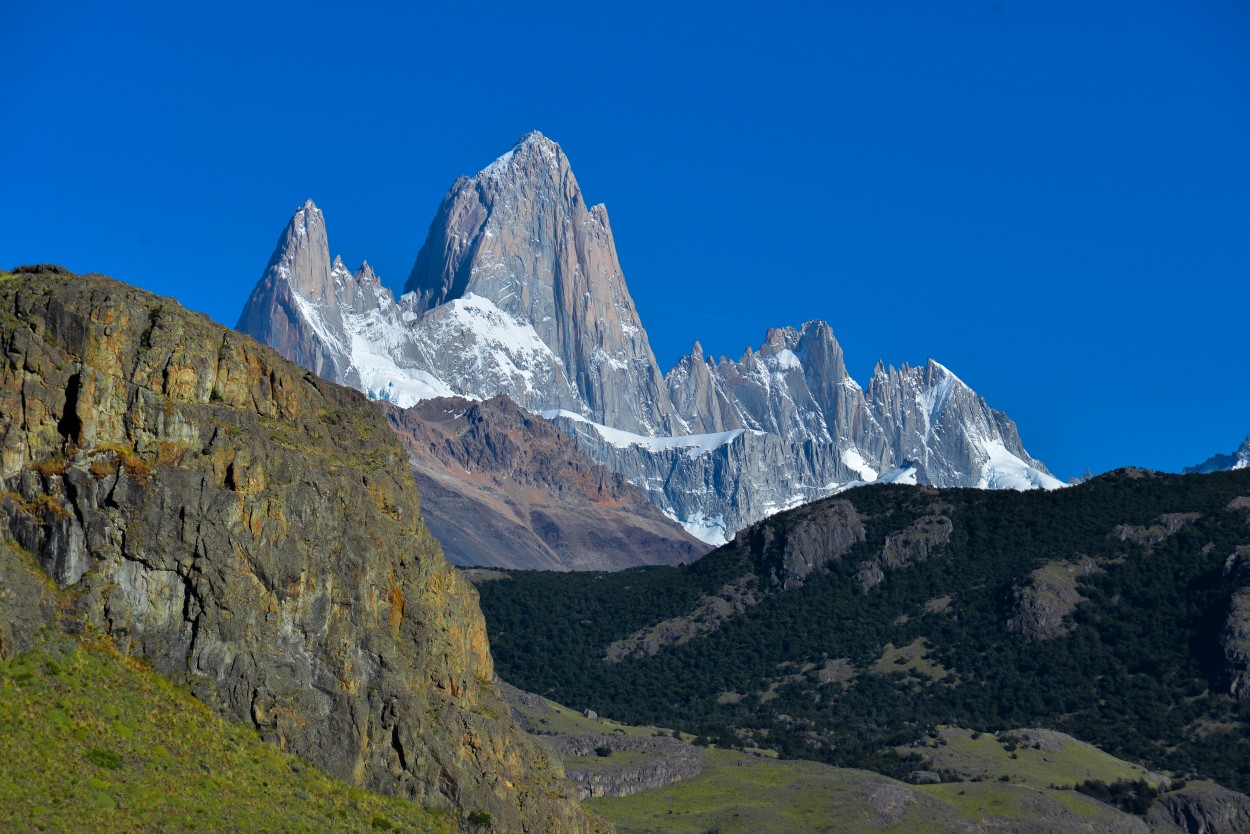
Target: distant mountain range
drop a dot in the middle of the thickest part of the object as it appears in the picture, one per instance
(518, 291)
(1239, 459)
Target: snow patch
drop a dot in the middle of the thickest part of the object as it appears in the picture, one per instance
(902, 475)
(1003, 470)
(382, 379)
(694, 445)
(785, 360)
(856, 463)
(498, 165)
(707, 529)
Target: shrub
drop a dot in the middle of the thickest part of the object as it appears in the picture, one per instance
(105, 758)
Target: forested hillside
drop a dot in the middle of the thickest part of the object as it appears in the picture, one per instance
(1116, 611)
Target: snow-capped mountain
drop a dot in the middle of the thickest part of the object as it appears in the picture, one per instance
(295, 308)
(518, 291)
(519, 236)
(1239, 459)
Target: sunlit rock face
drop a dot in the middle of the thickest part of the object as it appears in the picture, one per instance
(255, 530)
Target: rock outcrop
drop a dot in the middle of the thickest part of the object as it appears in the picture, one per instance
(1235, 638)
(501, 487)
(1042, 605)
(709, 613)
(606, 759)
(1201, 808)
(914, 543)
(1164, 526)
(254, 530)
(594, 765)
(814, 535)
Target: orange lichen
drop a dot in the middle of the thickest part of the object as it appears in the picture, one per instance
(397, 609)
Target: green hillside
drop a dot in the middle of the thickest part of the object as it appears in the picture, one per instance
(742, 794)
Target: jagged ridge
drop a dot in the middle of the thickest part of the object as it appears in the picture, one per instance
(518, 291)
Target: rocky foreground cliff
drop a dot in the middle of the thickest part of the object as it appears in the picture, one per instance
(254, 530)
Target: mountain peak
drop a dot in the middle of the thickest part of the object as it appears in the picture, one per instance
(537, 144)
(936, 368)
(535, 137)
(532, 148)
(366, 275)
(302, 256)
(520, 235)
(300, 272)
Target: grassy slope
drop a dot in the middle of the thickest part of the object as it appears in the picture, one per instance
(1065, 761)
(746, 793)
(739, 794)
(558, 719)
(92, 741)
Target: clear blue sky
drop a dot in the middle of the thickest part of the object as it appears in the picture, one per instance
(1050, 198)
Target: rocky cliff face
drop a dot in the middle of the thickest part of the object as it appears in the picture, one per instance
(1235, 638)
(502, 487)
(1201, 808)
(518, 291)
(255, 530)
(519, 234)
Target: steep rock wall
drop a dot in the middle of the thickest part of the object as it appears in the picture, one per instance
(255, 530)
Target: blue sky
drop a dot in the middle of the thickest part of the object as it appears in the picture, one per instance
(1052, 199)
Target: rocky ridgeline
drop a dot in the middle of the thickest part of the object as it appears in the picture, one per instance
(253, 530)
(653, 763)
(1239, 459)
